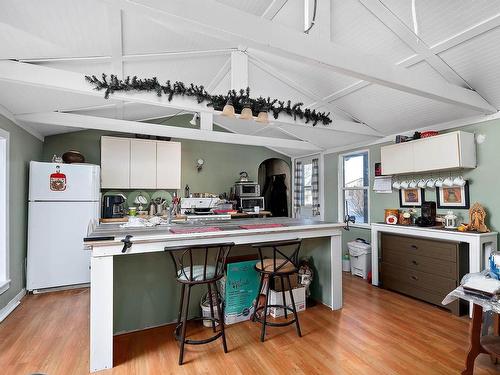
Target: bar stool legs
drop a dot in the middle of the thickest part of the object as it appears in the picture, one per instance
(296, 316)
(220, 312)
(263, 332)
(185, 310)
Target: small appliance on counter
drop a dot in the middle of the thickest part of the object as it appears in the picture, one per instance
(198, 206)
(246, 188)
(113, 206)
(248, 204)
(428, 215)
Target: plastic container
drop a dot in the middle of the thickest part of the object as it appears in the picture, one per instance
(205, 311)
(360, 256)
(346, 263)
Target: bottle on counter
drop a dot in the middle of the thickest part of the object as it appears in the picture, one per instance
(186, 191)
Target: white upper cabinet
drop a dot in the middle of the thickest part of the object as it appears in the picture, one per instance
(448, 151)
(115, 162)
(140, 164)
(397, 158)
(168, 165)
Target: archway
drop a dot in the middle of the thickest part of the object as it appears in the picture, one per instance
(274, 177)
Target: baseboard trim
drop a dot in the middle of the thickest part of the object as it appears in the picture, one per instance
(13, 303)
(125, 332)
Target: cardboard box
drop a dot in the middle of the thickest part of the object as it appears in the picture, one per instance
(240, 291)
(275, 298)
(294, 281)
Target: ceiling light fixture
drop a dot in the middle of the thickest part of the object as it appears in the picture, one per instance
(228, 109)
(246, 113)
(194, 120)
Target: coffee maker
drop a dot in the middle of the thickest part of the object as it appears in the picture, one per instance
(428, 215)
(112, 206)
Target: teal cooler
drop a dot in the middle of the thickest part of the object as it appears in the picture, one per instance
(240, 290)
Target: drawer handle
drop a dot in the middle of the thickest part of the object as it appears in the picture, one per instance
(414, 278)
(415, 262)
(414, 247)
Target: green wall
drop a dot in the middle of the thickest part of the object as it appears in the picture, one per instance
(483, 182)
(23, 148)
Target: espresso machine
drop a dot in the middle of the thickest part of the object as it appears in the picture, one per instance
(428, 215)
(113, 206)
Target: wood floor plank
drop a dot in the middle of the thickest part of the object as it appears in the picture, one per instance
(377, 332)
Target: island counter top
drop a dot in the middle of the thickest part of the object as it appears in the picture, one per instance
(104, 235)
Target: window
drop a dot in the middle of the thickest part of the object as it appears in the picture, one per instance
(307, 186)
(354, 186)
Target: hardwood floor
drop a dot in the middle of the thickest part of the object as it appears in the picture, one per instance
(377, 332)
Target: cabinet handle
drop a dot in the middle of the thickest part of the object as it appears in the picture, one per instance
(414, 247)
(414, 278)
(415, 262)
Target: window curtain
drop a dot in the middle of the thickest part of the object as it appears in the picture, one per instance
(315, 187)
(297, 201)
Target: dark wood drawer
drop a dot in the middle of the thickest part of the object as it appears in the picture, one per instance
(439, 267)
(393, 283)
(414, 281)
(444, 250)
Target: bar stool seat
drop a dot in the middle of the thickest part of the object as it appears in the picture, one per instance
(198, 273)
(283, 266)
(188, 274)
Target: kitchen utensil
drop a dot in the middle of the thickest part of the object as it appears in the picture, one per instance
(396, 184)
(141, 201)
(412, 184)
(431, 183)
(405, 184)
(165, 195)
(422, 183)
(243, 177)
(439, 182)
(152, 210)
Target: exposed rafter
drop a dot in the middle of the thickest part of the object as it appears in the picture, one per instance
(273, 9)
(234, 25)
(358, 127)
(407, 36)
(437, 48)
(100, 123)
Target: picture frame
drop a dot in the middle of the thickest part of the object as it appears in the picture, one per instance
(455, 197)
(411, 197)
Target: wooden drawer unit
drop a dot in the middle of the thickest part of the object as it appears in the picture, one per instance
(423, 268)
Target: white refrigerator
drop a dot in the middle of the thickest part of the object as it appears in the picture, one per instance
(63, 200)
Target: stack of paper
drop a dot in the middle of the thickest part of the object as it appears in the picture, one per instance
(484, 286)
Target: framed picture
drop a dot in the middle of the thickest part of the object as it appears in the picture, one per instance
(453, 197)
(411, 197)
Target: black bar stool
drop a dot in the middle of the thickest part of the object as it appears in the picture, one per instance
(188, 273)
(284, 262)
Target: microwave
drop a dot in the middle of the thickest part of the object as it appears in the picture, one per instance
(247, 204)
(247, 189)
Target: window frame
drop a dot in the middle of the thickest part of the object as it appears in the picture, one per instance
(342, 188)
(4, 219)
(304, 186)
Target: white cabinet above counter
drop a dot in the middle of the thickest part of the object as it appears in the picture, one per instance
(448, 151)
(128, 163)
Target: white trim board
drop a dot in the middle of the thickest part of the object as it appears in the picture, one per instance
(13, 303)
(5, 202)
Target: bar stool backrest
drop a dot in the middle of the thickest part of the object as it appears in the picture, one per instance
(286, 250)
(200, 263)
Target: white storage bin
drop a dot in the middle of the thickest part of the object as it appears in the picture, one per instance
(361, 258)
(276, 298)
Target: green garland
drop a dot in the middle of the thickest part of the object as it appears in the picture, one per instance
(239, 99)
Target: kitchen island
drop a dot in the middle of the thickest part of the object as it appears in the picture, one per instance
(107, 241)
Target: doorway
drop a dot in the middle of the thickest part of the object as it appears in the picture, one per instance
(275, 181)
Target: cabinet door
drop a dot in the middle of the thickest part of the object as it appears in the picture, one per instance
(115, 163)
(142, 164)
(397, 158)
(434, 153)
(168, 165)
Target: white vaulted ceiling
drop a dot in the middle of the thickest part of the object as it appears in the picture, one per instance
(388, 70)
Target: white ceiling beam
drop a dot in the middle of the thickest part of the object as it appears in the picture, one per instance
(100, 123)
(273, 9)
(133, 56)
(206, 121)
(5, 113)
(115, 27)
(358, 127)
(444, 45)
(240, 27)
(407, 36)
(219, 76)
(239, 70)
